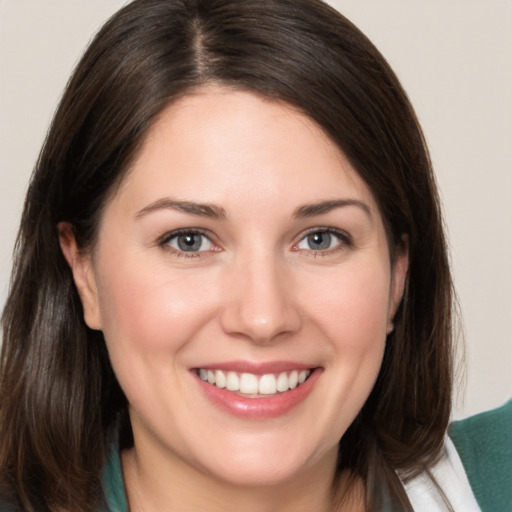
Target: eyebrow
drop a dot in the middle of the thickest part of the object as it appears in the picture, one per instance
(216, 212)
(322, 207)
(192, 208)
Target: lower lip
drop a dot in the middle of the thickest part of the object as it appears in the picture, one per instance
(263, 407)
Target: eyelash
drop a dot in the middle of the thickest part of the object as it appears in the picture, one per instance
(164, 242)
(344, 241)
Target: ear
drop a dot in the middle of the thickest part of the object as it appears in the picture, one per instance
(83, 274)
(398, 279)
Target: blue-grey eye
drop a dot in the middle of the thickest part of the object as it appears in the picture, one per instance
(190, 242)
(319, 241)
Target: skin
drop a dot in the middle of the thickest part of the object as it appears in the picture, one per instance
(258, 292)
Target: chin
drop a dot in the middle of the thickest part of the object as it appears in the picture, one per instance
(266, 464)
(271, 473)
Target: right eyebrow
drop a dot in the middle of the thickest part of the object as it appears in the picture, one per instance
(323, 207)
(192, 208)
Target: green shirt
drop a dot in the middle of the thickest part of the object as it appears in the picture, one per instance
(484, 444)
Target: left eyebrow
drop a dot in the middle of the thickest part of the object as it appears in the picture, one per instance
(322, 207)
(189, 207)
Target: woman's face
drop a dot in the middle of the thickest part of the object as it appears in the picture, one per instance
(241, 251)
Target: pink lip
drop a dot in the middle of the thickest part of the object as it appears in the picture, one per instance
(264, 407)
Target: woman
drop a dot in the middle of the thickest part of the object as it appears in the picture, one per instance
(231, 289)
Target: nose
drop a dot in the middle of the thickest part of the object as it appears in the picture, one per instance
(259, 304)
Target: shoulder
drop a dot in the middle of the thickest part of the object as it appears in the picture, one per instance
(484, 445)
(443, 486)
(113, 486)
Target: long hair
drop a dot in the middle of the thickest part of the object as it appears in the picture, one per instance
(59, 398)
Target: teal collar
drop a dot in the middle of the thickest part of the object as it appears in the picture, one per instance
(113, 484)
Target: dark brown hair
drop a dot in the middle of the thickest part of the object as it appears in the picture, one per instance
(59, 398)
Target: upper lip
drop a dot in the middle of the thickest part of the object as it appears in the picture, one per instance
(256, 368)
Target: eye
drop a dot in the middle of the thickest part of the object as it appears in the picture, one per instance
(323, 240)
(188, 242)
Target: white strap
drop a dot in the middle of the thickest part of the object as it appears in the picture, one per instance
(451, 477)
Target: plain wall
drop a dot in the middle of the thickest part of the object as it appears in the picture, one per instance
(454, 58)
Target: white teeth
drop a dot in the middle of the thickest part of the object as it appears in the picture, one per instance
(293, 379)
(282, 382)
(267, 385)
(251, 384)
(248, 384)
(220, 379)
(232, 382)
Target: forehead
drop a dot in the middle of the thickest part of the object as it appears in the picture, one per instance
(220, 144)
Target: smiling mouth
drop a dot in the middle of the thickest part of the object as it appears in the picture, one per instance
(251, 385)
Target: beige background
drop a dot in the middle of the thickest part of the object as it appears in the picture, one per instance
(454, 58)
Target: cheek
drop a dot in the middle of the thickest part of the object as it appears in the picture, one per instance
(151, 310)
(358, 330)
(352, 308)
